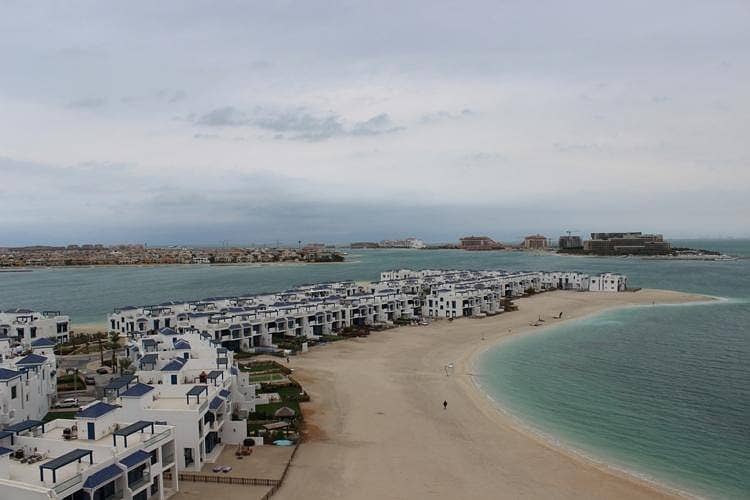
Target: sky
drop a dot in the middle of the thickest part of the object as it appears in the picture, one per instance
(179, 122)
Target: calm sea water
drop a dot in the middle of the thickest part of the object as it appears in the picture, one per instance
(664, 391)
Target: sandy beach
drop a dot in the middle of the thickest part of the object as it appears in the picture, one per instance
(377, 428)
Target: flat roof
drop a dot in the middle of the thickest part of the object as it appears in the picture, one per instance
(67, 458)
(133, 428)
(197, 390)
(25, 425)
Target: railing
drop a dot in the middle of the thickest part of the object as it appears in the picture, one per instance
(154, 439)
(167, 460)
(205, 478)
(68, 483)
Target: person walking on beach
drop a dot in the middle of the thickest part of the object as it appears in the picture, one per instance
(445, 405)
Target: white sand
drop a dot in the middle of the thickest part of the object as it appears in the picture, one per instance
(377, 428)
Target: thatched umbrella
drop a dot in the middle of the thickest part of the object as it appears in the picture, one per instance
(284, 412)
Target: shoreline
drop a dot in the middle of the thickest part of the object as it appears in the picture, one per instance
(353, 451)
(471, 366)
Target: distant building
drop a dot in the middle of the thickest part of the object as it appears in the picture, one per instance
(406, 243)
(475, 243)
(634, 243)
(535, 242)
(570, 242)
(364, 244)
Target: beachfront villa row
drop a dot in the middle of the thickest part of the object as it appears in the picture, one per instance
(24, 326)
(240, 325)
(28, 382)
(189, 381)
(95, 456)
(248, 323)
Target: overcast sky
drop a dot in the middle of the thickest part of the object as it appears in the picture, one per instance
(198, 122)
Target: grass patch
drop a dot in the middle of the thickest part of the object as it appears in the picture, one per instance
(265, 412)
(49, 417)
(267, 377)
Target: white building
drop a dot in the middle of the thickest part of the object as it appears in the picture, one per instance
(95, 456)
(249, 323)
(188, 381)
(608, 282)
(24, 325)
(28, 383)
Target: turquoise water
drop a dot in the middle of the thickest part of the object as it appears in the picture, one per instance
(660, 390)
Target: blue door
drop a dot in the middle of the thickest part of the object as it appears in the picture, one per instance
(174, 379)
(91, 431)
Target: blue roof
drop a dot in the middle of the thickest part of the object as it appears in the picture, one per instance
(24, 425)
(215, 403)
(5, 451)
(120, 382)
(224, 393)
(31, 359)
(135, 459)
(149, 359)
(102, 476)
(137, 390)
(6, 374)
(197, 390)
(96, 410)
(174, 366)
(168, 331)
(182, 344)
(43, 342)
(67, 458)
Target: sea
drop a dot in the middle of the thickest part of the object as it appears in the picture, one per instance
(662, 392)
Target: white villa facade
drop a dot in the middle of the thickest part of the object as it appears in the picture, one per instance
(24, 325)
(95, 456)
(190, 381)
(28, 383)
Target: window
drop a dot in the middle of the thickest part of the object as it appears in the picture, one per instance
(13, 392)
(154, 459)
(19, 332)
(32, 330)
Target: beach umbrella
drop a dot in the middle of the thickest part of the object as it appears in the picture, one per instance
(284, 412)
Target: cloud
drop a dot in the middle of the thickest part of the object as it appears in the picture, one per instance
(378, 124)
(223, 117)
(297, 123)
(87, 103)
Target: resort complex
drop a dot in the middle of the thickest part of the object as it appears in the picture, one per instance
(248, 323)
(185, 397)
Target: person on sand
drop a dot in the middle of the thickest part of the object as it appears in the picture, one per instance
(445, 405)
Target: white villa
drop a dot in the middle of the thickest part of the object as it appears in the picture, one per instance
(189, 381)
(28, 383)
(25, 325)
(96, 456)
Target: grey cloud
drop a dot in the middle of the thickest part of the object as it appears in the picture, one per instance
(297, 123)
(379, 124)
(87, 103)
(223, 117)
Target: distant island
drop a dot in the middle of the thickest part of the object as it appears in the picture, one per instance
(120, 255)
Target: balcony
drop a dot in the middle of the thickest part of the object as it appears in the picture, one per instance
(140, 481)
